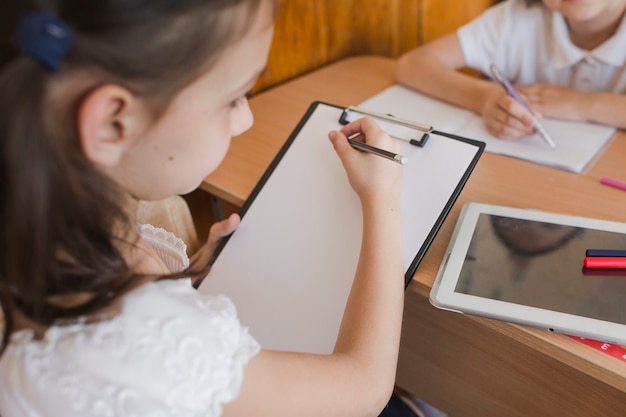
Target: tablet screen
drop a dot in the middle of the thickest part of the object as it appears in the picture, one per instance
(541, 265)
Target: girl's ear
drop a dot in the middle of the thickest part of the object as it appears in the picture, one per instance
(109, 119)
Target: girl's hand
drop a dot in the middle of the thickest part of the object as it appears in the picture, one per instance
(217, 231)
(555, 101)
(372, 177)
(505, 118)
(220, 230)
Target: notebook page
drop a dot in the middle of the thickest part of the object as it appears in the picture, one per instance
(577, 143)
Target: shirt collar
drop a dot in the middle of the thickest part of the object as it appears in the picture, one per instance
(567, 54)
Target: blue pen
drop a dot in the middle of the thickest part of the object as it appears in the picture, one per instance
(513, 93)
(605, 252)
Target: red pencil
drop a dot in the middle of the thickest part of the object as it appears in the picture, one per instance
(605, 262)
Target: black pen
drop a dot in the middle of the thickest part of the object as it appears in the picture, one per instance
(402, 160)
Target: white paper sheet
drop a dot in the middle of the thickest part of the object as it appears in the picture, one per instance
(290, 264)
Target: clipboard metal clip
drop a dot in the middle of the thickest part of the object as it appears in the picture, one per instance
(344, 119)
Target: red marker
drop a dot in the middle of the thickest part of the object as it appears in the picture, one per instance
(605, 262)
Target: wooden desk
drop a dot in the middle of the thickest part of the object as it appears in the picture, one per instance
(467, 366)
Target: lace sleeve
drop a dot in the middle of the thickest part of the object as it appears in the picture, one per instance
(170, 352)
(184, 348)
(170, 248)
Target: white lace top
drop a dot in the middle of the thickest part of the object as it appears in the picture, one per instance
(169, 352)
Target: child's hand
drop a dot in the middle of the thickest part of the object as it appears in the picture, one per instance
(217, 231)
(505, 118)
(221, 229)
(372, 177)
(554, 101)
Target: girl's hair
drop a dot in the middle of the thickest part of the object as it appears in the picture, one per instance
(58, 211)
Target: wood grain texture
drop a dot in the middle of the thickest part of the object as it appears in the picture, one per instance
(474, 367)
(310, 34)
(440, 17)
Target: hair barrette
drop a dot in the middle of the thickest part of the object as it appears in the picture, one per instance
(43, 38)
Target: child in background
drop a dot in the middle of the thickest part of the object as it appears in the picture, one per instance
(106, 103)
(566, 58)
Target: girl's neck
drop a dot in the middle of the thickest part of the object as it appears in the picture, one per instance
(590, 34)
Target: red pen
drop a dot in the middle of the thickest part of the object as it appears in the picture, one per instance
(605, 262)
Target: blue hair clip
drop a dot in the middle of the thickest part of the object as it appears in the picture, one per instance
(44, 38)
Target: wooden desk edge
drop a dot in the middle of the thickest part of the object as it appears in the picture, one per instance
(560, 347)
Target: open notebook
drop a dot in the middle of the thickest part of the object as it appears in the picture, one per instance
(577, 144)
(290, 264)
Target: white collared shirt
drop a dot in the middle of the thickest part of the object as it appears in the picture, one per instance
(532, 45)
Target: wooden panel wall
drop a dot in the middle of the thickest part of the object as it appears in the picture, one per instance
(439, 17)
(311, 33)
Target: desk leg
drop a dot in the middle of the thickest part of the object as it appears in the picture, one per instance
(218, 209)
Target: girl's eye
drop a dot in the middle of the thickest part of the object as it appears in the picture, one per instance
(236, 103)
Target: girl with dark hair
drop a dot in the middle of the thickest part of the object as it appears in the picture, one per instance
(104, 103)
(565, 56)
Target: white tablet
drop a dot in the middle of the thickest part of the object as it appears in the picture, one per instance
(526, 266)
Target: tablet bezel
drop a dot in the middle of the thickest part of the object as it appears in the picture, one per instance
(443, 295)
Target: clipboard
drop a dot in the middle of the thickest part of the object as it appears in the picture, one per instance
(290, 264)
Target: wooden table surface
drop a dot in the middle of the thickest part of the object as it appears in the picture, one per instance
(466, 365)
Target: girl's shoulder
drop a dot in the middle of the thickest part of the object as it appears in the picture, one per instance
(167, 347)
(166, 312)
(171, 249)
